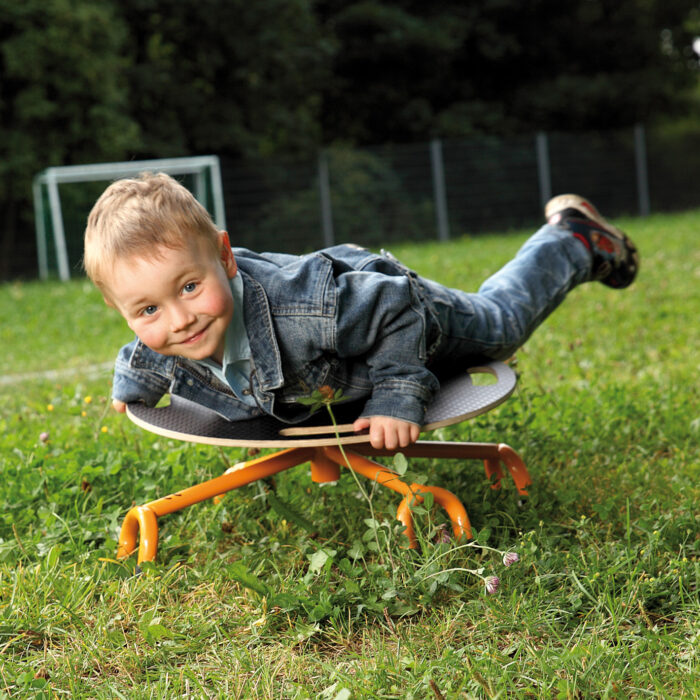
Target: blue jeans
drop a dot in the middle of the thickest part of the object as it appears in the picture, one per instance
(494, 322)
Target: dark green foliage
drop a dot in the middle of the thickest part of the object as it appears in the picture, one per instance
(97, 80)
(407, 70)
(63, 99)
(234, 77)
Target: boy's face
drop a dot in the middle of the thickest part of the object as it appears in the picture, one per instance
(178, 302)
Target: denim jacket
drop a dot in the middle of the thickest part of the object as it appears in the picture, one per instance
(342, 317)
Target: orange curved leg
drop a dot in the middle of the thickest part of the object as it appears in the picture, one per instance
(461, 527)
(128, 535)
(390, 479)
(492, 467)
(141, 522)
(516, 467)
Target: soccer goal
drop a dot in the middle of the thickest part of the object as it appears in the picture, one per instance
(61, 216)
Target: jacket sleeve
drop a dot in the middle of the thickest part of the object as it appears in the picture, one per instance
(136, 384)
(380, 321)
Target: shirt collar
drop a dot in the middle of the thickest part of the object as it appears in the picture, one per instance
(235, 363)
(236, 345)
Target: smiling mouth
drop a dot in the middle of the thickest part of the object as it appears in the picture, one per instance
(194, 338)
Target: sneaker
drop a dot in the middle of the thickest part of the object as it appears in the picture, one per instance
(615, 257)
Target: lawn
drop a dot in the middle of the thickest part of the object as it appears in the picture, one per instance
(288, 590)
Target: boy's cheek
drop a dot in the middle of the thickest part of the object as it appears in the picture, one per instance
(133, 326)
(150, 338)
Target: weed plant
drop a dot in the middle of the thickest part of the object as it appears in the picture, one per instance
(285, 589)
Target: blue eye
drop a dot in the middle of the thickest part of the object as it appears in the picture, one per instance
(189, 287)
(150, 310)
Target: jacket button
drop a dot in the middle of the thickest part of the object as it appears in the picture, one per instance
(190, 382)
(246, 392)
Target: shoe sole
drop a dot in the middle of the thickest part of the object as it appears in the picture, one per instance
(574, 201)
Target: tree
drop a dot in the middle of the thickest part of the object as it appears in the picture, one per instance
(62, 101)
(225, 76)
(90, 80)
(602, 63)
(406, 70)
(394, 67)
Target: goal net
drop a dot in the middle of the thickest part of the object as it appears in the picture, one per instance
(63, 197)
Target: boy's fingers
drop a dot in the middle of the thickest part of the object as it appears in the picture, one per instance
(408, 434)
(118, 406)
(388, 433)
(384, 437)
(377, 432)
(361, 424)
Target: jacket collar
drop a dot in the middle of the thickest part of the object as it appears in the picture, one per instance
(264, 351)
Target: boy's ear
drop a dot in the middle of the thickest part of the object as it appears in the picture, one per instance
(227, 259)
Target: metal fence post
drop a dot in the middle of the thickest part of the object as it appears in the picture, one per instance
(324, 189)
(640, 162)
(438, 170)
(544, 173)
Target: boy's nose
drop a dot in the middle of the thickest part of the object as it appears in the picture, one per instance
(180, 317)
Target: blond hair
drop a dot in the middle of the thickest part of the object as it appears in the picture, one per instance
(137, 217)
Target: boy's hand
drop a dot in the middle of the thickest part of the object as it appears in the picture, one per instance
(388, 433)
(118, 406)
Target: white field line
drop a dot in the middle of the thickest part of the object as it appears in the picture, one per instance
(55, 374)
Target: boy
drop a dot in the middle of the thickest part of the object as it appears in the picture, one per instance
(246, 334)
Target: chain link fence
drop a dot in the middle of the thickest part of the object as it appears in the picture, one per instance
(380, 196)
(444, 189)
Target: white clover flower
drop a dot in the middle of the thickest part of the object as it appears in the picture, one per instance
(510, 558)
(443, 535)
(492, 583)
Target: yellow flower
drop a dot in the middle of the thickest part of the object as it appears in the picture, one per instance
(88, 399)
(49, 407)
(104, 429)
(83, 413)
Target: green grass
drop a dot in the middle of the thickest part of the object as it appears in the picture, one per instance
(288, 590)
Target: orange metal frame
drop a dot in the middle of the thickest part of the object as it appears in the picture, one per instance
(325, 466)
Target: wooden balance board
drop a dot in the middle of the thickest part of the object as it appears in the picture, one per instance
(458, 399)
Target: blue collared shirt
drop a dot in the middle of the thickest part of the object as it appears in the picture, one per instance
(235, 369)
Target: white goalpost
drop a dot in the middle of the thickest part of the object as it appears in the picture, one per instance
(207, 188)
